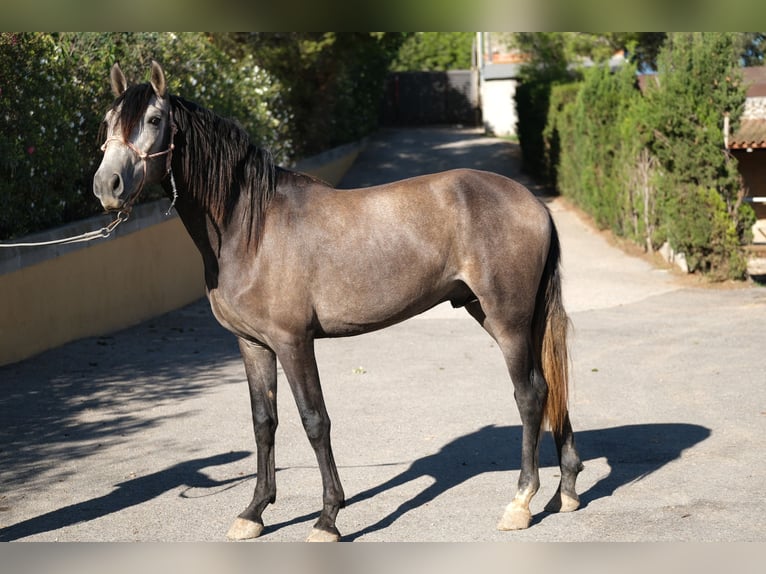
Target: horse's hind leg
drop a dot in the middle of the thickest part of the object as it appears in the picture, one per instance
(530, 392)
(261, 369)
(566, 499)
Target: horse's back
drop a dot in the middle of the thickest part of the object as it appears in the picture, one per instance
(490, 194)
(481, 195)
(495, 211)
(444, 219)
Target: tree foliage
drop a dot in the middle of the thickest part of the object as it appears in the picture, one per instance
(332, 82)
(653, 167)
(44, 136)
(434, 52)
(640, 48)
(704, 216)
(296, 94)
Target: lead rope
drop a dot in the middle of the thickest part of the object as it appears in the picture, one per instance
(102, 233)
(124, 213)
(175, 192)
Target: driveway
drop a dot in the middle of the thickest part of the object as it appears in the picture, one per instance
(145, 434)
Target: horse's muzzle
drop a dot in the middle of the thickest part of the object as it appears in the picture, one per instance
(109, 188)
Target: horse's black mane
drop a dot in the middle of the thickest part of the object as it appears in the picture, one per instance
(219, 162)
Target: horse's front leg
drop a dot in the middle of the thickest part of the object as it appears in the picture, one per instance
(300, 367)
(261, 369)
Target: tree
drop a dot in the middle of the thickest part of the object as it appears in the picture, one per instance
(704, 216)
(641, 48)
(545, 69)
(331, 82)
(434, 52)
(571, 48)
(44, 132)
(54, 90)
(654, 168)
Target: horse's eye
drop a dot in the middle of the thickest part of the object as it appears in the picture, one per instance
(155, 120)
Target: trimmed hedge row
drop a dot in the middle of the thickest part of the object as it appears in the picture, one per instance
(651, 165)
(54, 90)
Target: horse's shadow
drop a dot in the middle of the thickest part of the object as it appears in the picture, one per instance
(126, 494)
(632, 452)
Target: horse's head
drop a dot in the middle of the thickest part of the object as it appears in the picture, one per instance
(139, 139)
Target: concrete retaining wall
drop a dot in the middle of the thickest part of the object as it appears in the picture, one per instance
(149, 266)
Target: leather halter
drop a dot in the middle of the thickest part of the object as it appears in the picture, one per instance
(143, 156)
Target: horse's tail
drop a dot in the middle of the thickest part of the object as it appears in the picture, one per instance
(550, 328)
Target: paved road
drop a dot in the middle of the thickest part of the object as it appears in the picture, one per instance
(145, 434)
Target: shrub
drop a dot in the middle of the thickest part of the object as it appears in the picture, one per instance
(44, 138)
(538, 78)
(332, 82)
(54, 89)
(558, 133)
(587, 145)
(705, 233)
(699, 81)
(653, 168)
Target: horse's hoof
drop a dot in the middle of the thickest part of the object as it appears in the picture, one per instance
(243, 529)
(515, 518)
(319, 535)
(562, 503)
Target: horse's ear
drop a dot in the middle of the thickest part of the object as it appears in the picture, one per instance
(158, 80)
(118, 81)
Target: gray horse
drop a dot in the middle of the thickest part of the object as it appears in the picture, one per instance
(288, 259)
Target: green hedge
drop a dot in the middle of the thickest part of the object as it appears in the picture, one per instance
(652, 167)
(332, 81)
(55, 90)
(297, 94)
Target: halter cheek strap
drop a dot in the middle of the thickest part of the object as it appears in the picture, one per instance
(143, 156)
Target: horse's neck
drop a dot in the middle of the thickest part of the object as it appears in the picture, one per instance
(200, 227)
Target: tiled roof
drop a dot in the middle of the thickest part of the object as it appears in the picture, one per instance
(755, 80)
(750, 134)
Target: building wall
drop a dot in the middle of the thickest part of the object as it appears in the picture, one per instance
(751, 166)
(498, 106)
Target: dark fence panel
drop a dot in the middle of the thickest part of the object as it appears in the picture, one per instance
(423, 98)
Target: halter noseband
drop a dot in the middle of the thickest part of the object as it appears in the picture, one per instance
(143, 156)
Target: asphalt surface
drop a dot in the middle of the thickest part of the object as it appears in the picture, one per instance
(145, 434)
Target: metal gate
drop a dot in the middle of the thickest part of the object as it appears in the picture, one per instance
(427, 98)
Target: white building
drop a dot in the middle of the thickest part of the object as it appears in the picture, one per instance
(498, 78)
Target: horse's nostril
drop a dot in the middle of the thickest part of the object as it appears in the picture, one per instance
(115, 182)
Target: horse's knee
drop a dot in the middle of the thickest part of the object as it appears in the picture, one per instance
(316, 425)
(265, 429)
